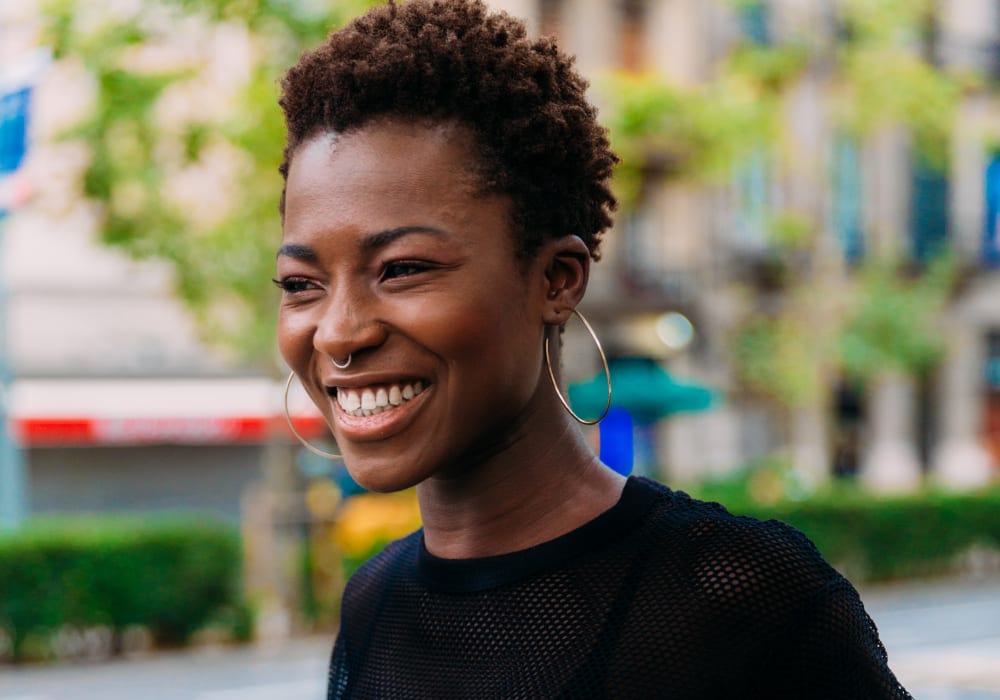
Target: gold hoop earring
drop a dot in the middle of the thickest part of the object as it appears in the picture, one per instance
(305, 443)
(607, 373)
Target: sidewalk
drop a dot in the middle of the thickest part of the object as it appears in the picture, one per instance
(943, 638)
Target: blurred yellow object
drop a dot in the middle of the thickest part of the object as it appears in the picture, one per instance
(322, 498)
(369, 519)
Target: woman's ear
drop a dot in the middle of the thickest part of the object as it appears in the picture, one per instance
(567, 269)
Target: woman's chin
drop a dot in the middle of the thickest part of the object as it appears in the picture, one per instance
(379, 479)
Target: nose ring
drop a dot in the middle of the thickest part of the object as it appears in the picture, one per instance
(342, 366)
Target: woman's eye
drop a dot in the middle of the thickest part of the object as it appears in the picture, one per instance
(403, 268)
(292, 285)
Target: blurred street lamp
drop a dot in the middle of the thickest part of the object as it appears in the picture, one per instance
(675, 330)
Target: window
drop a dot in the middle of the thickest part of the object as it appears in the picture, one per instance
(845, 204)
(755, 22)
(929, 195)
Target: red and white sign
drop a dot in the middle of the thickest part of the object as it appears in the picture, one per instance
(52, 413)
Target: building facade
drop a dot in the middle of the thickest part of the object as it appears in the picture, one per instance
(117, 404)
(685, 244)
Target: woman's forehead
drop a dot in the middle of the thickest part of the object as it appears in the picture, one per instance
(387, 155)
(385, 176)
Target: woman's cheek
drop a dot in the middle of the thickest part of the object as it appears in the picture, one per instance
(293, 340)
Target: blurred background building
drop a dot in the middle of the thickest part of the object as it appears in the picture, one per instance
(697, 248)
(116, 400)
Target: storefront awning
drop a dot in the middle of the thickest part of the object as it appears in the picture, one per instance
(80, 412)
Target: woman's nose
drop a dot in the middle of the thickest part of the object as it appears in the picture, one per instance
(346, 329)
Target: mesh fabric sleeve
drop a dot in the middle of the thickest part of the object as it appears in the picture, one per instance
(832, 650)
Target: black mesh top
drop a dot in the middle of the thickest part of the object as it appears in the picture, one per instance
(662, 596)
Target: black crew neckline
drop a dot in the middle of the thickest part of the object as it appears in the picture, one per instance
(482, 573)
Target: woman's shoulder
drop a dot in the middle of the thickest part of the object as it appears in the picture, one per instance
(735, 553)
(711, 523)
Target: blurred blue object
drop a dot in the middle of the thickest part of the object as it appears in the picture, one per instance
(642, 387)
(991, 230)
(617, 440)
(313, 466)
(13, 128)
(345, 482)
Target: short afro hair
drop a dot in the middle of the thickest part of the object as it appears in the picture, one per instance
(537, 135)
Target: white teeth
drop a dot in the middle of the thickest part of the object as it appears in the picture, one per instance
(370, 402)
(349, 400)
(367, 399)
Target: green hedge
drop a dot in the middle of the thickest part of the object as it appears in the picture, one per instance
(168, 575)
(875, 538)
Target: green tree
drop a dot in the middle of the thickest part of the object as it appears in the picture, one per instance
(185, 137)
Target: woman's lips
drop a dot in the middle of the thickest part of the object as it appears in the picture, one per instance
(385, 417)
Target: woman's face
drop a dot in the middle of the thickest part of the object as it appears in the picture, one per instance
(392, 256)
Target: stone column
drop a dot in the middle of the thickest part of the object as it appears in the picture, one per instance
(890, 462)
(676, 39)
(698, 446)
(967, 206)
(886, 175)
(590, 29)
(959, 459)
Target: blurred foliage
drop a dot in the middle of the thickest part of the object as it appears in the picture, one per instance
(894, 323)
(663, 130)
(185, 137)
(782, 358)
(882, 320)
(867, 537)
(887, 77)
(169, 575)
(875, 75)
(809, 323)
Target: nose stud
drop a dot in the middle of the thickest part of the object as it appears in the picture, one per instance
(346, 364)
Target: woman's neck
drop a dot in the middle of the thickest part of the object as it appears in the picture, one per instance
(534, 492)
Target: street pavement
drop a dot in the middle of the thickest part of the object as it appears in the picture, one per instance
(943, 640)
(294, 670)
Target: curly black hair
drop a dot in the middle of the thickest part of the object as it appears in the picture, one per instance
(454, 60)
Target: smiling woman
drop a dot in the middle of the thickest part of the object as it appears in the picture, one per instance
(446, 187)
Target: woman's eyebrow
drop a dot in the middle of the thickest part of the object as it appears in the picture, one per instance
(299, 252)
(368, 244)
(381, 239)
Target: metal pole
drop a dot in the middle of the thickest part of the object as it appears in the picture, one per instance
(13, 474)
(14, 101)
